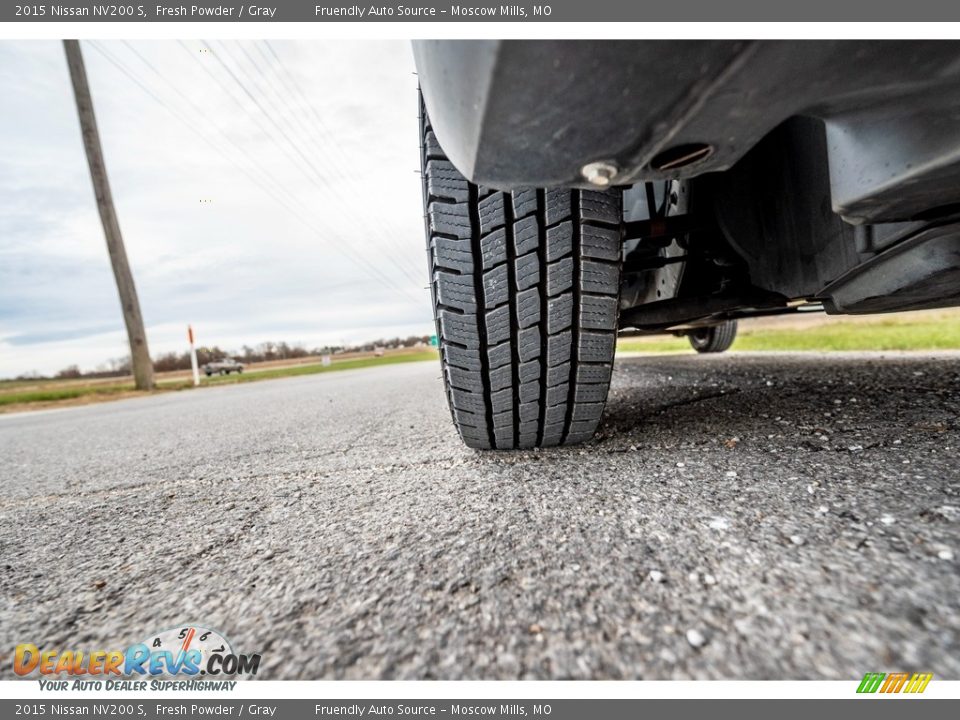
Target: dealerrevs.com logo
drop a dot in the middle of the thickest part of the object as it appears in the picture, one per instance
(198, 657)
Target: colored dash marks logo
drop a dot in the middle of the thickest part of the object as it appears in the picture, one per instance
(895, 682)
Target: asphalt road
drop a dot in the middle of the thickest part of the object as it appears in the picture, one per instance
(762, 517)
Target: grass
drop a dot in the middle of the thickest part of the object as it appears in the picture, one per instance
(912, 331)
(62, 393)
(10, 395)
(313, 369)
(894, 334)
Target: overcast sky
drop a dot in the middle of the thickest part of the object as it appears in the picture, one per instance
(279, 204)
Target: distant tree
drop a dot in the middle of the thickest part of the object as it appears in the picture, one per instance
(210, 354)
(172, 361)
(69, 373)
(268, 351)
(120, 365)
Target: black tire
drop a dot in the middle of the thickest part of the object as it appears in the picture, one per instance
(714, 339)
(525, 289)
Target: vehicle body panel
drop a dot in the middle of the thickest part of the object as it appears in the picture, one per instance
(514, 114)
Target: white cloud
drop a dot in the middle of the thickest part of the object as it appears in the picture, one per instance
(338, 257)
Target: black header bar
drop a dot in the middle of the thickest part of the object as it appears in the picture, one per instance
(272, 11)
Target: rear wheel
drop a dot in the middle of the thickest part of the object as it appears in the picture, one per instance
(525, 289)
(714, 339)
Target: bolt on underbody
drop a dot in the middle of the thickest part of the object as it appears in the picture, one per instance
(600, 174)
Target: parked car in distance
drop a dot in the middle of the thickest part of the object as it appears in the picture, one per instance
(223, 367)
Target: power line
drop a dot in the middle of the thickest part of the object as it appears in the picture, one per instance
(200, 111)
(307, 223)
(327, 147)
(356, 256)
(197, 109)
(320, 180)
(263, 110)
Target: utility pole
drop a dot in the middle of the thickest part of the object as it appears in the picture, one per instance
(139, 353)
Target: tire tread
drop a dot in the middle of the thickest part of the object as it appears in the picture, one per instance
(525, 288)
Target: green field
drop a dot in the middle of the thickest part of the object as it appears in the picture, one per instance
(313, 369)
(11, 394)
(13, 397)
(898, 333)
(936, 330)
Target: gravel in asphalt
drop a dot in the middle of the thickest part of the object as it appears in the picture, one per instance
(738, 517)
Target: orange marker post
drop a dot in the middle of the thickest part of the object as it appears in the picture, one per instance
(193, 357)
